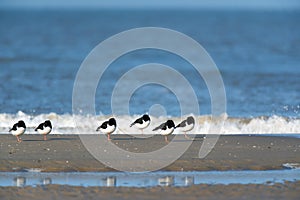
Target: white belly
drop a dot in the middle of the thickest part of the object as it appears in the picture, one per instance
(167, 131)
(187, 128)
(143, 125)
(45, 131)
(18, 132)
(108, 130)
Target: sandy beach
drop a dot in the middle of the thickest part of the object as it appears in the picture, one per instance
(288, 190)
(66, 153)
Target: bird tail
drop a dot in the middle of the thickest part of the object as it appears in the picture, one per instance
(10, 130)
(180, 125)
(35, 129)
(156, 129)
(131, 124)
(98, 128)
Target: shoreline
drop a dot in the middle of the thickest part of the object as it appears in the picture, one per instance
(287, 190)
(66, 153)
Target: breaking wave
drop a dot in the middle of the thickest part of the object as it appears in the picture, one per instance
(66, 124)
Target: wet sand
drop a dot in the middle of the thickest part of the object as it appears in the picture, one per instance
(288, 190)
(67, 153)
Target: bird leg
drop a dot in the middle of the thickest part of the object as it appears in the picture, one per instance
(187, 137)
(45, 137)
(18, 139)
(108, 137)
(166, 139)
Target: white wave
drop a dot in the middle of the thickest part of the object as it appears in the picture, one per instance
(291, 165)
(75, 124)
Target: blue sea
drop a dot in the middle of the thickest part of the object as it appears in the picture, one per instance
(256, 52)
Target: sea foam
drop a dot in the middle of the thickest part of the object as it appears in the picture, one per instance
(78, 124)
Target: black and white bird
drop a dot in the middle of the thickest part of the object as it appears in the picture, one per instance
(142, 122)
(18, 129)
(186, 125)
(44, 128)
(166, 129)
(108, 127)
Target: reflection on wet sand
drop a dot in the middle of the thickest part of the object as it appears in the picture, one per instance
(46, 181)
(119, 179)
(19, 181)
(166, 181)
(110, 181)
(188, 180)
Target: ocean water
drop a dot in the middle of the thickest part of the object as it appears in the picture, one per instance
(257, 53)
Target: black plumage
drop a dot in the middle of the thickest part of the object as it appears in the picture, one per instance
(20, 124)
(169, 124)
(110, 122)
(43, 125)
(188, 121)
(141, 120)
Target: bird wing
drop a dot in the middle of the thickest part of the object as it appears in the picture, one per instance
(139, 121)
(160, 127)
(103, 125)
(41, 126)
(13, 128)
(182, 124)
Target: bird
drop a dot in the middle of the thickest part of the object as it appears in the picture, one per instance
(186, 125)
(142, 122)
(44, 128)
(166, 129)
(18, 129)
(108, 127)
